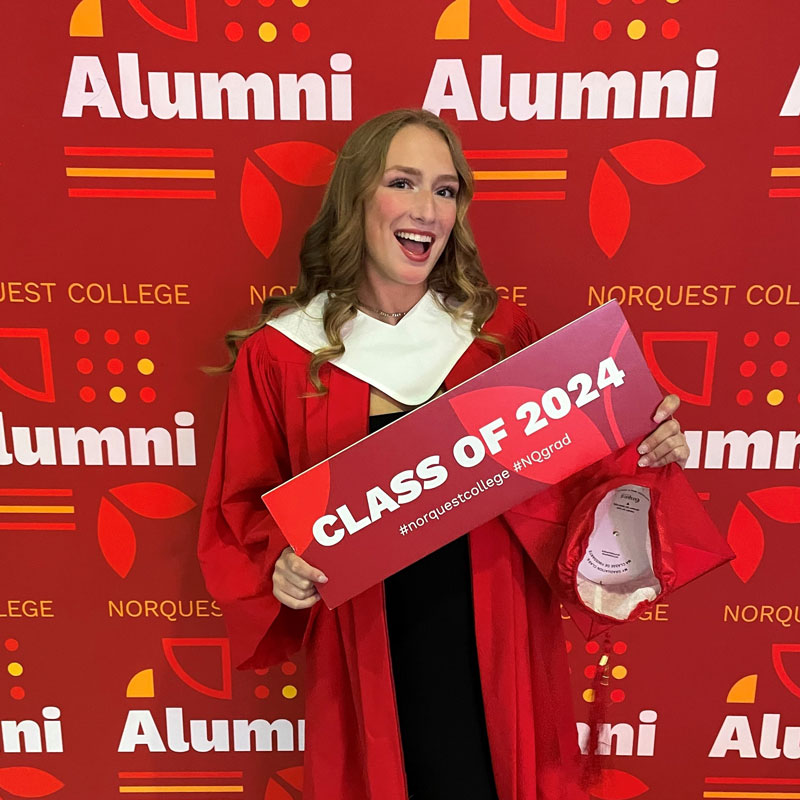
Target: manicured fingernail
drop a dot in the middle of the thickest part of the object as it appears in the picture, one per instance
(659, 417)
(642, 449)
(322, 578)
(642, 462)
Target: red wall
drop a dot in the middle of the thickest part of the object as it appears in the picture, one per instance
(117, 286)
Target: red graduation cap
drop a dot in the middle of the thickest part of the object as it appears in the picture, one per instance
(615, 539)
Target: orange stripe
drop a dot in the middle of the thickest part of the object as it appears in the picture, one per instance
(137, 172)
(784, 172)
(167, 152)
(142, 194)
(37, 509)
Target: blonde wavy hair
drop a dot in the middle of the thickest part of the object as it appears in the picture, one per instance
(333, 249)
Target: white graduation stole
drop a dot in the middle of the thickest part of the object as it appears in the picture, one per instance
(407, 361)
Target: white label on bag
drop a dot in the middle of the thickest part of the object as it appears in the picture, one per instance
(619, 548)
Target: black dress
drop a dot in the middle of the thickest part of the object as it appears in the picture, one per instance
(435, 667)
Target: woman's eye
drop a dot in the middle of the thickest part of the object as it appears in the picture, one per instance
(398, 182)
(449, 191)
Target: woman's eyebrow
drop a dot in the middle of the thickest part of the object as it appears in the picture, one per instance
(417, 173)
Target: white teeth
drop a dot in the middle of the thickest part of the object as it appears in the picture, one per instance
(416, 237)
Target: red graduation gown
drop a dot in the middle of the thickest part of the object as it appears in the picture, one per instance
(353, 752)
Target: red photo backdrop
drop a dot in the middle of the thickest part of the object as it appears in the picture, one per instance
(160, 162)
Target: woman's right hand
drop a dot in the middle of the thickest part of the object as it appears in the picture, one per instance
(293, 580)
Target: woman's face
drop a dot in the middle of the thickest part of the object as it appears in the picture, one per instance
(409, 217)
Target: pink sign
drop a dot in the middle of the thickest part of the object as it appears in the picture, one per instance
(526, 423)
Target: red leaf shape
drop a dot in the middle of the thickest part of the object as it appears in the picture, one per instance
(746, 538)
(47, 393)
(186, 34)
(28, 781)
(471, 411)
(297, 505)
(609, 209)
(260, 207)
(116, 537)
(778, 651)
(222, 648)
(658, 161)
(555, 34)
(781, 503)
(300, 163)
(153, 500)
(285, 784)
(703, 398)
(614, 784)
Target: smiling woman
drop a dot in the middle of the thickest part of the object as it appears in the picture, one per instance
(400, 180)
(449, 679)
(408, 219)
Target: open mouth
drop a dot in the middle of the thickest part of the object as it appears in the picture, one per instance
(415, 244)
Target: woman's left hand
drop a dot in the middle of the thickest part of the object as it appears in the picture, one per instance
(666, 443)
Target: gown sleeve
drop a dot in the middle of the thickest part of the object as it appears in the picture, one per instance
(239, 542)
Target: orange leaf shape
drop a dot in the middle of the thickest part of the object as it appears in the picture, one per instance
(609, 209)
(658, 161)
(261, 210)
(116, 537)
(28, 781)
(615, 784)
(746, 538)
(781, 503)
(285, 784)
(300, 163)
(153, 500)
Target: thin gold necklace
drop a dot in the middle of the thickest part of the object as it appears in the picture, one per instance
(395, 314)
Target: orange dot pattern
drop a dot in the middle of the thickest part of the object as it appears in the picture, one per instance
(618, 672)
(114, 366)
(15, 669)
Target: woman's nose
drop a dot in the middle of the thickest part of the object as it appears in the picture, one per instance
(423, 208)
